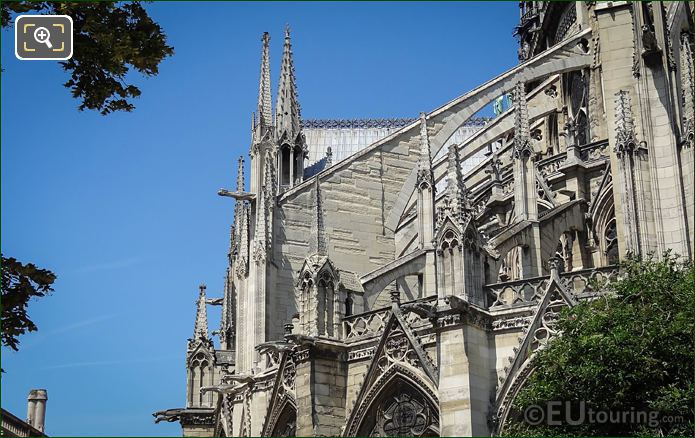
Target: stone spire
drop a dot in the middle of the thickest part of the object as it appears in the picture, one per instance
(625, 147)
(269, 179)
(624, 124)
(227, 319)
(287, 111)
(261, 237)
(456, 191)
(201, 318)
(235, 237)
(232, 244)
(240, 175)
(424, 164)
(317, 242)
(243, 254)
(522, 132)
(264, 101)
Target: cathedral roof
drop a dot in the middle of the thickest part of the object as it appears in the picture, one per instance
(374, 123)
(350, 281)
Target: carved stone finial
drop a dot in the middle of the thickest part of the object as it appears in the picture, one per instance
(201, 318)
(522, 133)
(287, 109)
(317, 240)
(240, 175)
(494, 168)
(626, 140)
(457, 201)
(243, 245)
(555, 264)
(425, 177)
(395, 296)
(264, 100)
(329, 156)
(289, 327)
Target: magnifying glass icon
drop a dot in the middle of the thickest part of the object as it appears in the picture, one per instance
(42, 36)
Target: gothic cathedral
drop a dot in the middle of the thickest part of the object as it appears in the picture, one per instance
(393, 277)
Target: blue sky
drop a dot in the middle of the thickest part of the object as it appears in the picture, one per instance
(124, 207)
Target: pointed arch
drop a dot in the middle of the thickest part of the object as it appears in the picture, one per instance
(318, 297)
(399, 353)
(536, 336)
(284, 164)
(286, 422)
(399, 391)
(448, 248)
(602, 214)
(281, 417)
(200, 364)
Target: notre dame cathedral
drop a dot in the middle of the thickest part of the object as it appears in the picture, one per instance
(395, 277)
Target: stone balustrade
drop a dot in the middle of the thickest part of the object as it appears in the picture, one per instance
(529, 290)
(365, 324)
(370, 324)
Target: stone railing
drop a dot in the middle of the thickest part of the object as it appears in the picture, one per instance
(527, 291)
(595, 151)
(550, 165)
(364, 325)
(372, 323)
(517, 292)
(581, 282)
(590, 152)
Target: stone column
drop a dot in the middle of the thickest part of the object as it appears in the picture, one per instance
(291, 164)
(303, 393)
(321, 389)
(464, 379)
(455, 414)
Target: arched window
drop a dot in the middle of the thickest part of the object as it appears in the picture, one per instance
(298, 165)
(287, 422)
(450, 262)
(305, 300)
(577, 93)
(511, 267)
(326, 305)
(348, 304)
(285, 166)
(199, 377)
(401, 410)
(194, 379)
(202, 382)
(610, 242)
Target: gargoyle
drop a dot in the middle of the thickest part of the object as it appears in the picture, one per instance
(457, 303)
(275, 346)
(239, 378)
(223, 389)
(300, 340)
(425, 311)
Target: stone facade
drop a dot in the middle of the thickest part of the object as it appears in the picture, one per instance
(402, 287)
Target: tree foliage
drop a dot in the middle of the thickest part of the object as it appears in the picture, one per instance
(110, 39)
(20, 283)
(629, 351)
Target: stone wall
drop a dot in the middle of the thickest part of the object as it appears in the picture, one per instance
(356, 197)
